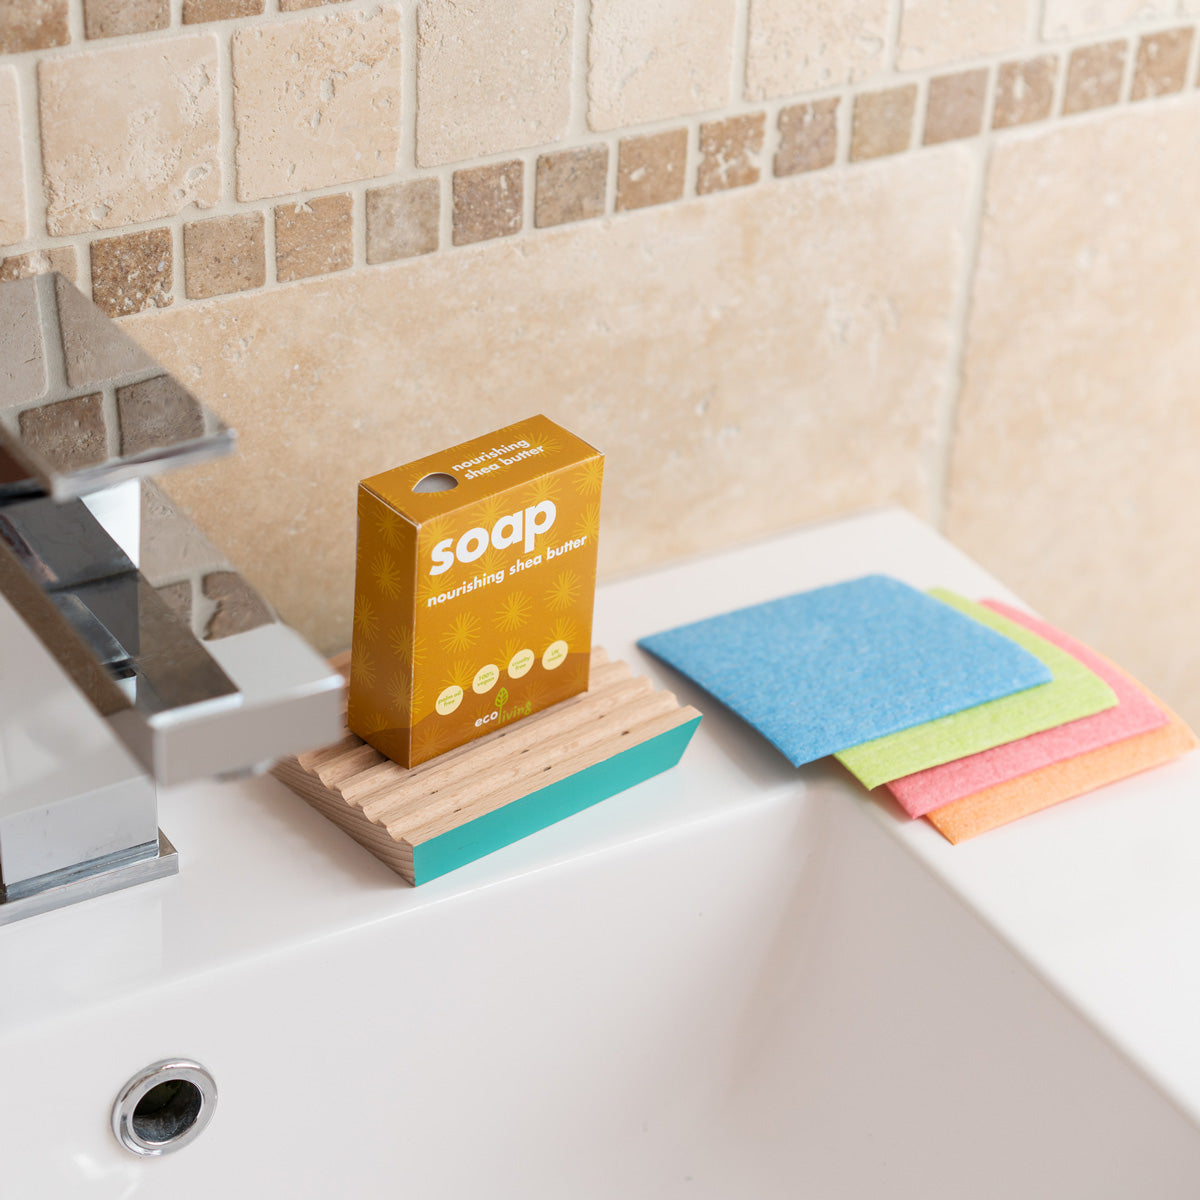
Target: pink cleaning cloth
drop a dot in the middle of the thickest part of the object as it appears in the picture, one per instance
(1135, 713)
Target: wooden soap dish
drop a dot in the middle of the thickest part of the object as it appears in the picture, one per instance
(426, 820)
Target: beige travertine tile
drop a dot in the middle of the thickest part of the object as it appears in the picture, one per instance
(808, 137)
(730, 153)
(402, 220)
(23, 376)
(571, 186)
(130, 133)
(1071, 18)
(156, 412)
(178, 598)
(316, 101)
(650, 59)
(170, 547)
(13, 222)
(33, 25)
(69, 433)
(297, 5)
(1075, 471)
(112, 18)
(955, 106)
(224, 254)
(789, 371)
(487, 202)
(1094, 77)
(91, 355)
(238, 607)
(797, 46)
(132, 272)
(942, 31)
(196, 12)
(1024, 91)
(882, 122)
(650, 169)
(1162, 63)
(314, 238)
(62, 259)
(492, 76)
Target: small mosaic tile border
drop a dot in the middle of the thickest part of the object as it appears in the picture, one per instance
(198, 257)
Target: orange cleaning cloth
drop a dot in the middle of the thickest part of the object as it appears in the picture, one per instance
(1004, 802)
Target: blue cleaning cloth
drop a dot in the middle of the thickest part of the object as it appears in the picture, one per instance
(824, 670)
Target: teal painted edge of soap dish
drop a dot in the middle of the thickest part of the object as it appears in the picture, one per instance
(549, 805)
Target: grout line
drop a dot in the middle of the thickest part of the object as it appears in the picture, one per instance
(845, 128)
(528, 183)
(990, 87)
(358, 226)
(610, 179)
(1061, 76)
(1038, 15)
(228, 144)
(177, 285)
(54, 355)
(920, 113)
(741, 51)
(446, 213)
(75, 25)
(1127, 70)
(85, 269)
(891, 49)
(29, 122)
(112, 418)
(577, 122)
(407, 156)
(1189, 78)
(771, 140)
(691, 162)
(941, 451)
(270, 276)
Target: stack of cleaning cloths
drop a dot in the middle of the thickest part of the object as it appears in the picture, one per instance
(972, 714)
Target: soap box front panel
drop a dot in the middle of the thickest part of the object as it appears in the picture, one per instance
(507, 632)
(484, 591)
(383, 656)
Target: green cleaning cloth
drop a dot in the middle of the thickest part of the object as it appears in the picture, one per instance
(1074, 692)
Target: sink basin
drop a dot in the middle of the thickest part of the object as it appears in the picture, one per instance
(734, 980)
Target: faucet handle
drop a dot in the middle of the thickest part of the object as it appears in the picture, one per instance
(82, 405)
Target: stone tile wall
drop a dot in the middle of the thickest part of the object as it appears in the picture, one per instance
(780, 260)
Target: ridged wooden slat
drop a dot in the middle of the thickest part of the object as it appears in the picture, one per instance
(555, 771)
(312, 759)
(509, 758)
(513, 779)
(444, 770)
(392, 810)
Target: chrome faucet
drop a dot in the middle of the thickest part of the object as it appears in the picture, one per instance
(131, 654)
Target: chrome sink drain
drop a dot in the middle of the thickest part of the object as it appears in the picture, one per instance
(164, 1107)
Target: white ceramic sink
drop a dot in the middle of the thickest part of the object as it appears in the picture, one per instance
(735, 981)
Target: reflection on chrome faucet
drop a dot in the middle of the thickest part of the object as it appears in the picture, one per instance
(82, 404)
(110, 594)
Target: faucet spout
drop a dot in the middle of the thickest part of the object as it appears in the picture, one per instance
(109, 575)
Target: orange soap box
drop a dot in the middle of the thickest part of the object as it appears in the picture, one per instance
(474, 584)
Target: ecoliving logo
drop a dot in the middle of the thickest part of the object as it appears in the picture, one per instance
(522, 710)
(499, 715)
